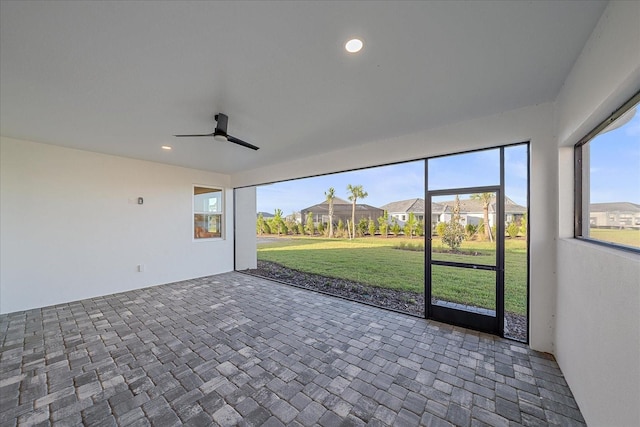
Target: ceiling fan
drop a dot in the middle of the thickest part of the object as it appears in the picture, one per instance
(220, 133)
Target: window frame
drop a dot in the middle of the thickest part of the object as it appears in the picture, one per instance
(578, 173)
(219, 212)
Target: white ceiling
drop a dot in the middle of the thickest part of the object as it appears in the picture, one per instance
(123, 77)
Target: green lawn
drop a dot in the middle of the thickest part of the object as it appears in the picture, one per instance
(374, 261)
(624, 237)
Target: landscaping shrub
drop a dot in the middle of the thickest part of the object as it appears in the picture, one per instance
(395, 227)
(403, 246)
(471, 230)
(260, 224)
(410, 225)
(372, 227)
(362, 227)
(453, 235)
(339, 231)
(384, 224)
(512, 230)
(293, 229)
(310, 226)
(523, 225)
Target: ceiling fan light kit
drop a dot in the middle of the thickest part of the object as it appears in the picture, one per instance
(220, 133)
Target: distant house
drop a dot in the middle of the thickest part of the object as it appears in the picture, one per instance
(341, 211)
(295, 217)
(401, 210)
(614, 215)
(471, 211)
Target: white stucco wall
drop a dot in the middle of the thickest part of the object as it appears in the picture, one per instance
(526, 124)
(597, 330)
(71, 227)
(246, 242)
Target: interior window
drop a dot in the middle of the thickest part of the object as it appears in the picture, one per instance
(207, 213)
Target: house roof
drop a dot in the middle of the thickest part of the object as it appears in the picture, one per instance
(466, 205)
(97, 76)
(337, 201)
(615, 207)
(476, 206)
(416, 205)
(341, 206)
(410, 205)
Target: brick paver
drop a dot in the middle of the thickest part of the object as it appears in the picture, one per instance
(235, 349)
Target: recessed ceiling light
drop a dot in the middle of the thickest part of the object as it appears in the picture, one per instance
(167, 147)
(353, 45)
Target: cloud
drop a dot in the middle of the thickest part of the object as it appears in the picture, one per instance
(633, 127)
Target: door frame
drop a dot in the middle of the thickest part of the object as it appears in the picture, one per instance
(453, 316)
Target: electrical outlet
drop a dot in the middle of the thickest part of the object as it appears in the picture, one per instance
(140, 268)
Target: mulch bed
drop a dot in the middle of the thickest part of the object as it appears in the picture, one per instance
(403, 301)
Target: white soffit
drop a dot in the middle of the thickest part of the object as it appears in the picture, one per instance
(123, 77)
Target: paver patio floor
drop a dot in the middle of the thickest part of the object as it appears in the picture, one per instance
(233, 349)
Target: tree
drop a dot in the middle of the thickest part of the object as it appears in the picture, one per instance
(260, 224)
(383, 222)
(310, 226)
(454, 231)
(395, 227)
(291, 224)
(321, 228)
(410, 225)
(523, 225)
(340, 228)
(356, 192)
(372, 227)
(363, 224)
(485, 198)
(277, 222)
(330, 194)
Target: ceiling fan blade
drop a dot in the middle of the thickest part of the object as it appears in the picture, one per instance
(221, 133)
(179, 136)
(241, 142)
(222, 120)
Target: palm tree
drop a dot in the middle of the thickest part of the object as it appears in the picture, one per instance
(485, 198)
(357, 192)
(330, 194)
